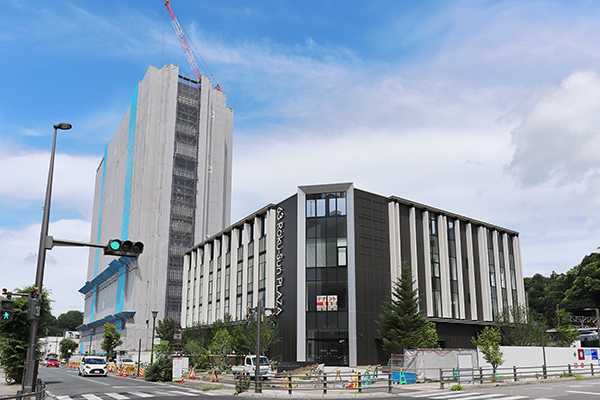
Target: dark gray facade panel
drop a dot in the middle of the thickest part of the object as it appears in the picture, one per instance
(405, 250)
(286, 349)
(465, 269)
(373, 280)
(454, 336)
(476, 265)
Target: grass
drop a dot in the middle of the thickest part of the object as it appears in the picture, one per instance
(213, 387)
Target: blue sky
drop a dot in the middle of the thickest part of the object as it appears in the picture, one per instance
(489, 109)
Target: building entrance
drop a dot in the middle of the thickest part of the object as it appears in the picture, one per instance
(328, 351)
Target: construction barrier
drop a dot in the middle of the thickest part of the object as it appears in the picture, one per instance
(214, 377)
(192, 375)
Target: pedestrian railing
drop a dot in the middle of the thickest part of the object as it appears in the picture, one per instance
(324, 382)
(483, 375)
(39, 394)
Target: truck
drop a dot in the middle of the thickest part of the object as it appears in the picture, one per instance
(248, 368)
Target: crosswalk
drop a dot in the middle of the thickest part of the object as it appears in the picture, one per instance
(469, 396)
(133, 395)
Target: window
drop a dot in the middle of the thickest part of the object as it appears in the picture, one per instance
(435, 266)
(453, 269)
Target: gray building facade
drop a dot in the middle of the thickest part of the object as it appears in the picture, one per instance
(165, 180)
(327, 257)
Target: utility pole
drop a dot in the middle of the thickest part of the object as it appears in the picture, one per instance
(258, 311)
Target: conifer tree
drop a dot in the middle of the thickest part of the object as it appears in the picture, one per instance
(401, 325)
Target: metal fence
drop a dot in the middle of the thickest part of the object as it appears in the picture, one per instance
(357, 382)
(504, 374)
(37, 395)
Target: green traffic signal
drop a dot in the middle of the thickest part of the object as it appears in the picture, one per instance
(7, 310)
(115, 244)
(123, 248)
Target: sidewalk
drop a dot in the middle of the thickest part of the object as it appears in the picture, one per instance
(7, 390)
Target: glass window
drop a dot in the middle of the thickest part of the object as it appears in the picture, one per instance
(332, 207)
(311, 258)
(342, 258)
(320, 207)
(310, 208)
(341, 205)
(321, 253)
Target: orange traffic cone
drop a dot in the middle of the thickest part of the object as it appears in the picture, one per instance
(192, 375)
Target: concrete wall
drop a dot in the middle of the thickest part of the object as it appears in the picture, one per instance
(534, 356)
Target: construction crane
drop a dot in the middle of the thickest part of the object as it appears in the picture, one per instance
(185, 46)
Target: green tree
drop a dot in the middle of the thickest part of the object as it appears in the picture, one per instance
(401, 325)
(585, 288)
(70, 320)
(488, 341)
(565, 333)
(14, 335)
(221, 345)
(165, 330)
(162, 369)
(67, 347)
(112, 340)
(518, 327)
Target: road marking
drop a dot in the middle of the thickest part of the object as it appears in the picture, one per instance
(182, 393)
(575, 391)
(117, 396)
(469, 396)
(91, 397)
(140, 394)
(452, 395)
(63, 397)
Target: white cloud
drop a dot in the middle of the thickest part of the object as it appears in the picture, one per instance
(65, 267)
(559, 138)
(24, 177)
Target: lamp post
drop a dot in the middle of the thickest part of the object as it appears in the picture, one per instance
(35, 298)
(154, 314)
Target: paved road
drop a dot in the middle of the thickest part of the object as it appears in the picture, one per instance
(66, 384)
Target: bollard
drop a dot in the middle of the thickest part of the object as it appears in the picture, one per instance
(441, 379)
(481, 375)
(592, 368)
(515, 372)
(324, 383)
(569, 369)
(390, 382)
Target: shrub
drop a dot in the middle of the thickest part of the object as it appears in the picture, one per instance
(456, 387)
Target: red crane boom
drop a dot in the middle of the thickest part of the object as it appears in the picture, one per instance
(184, 44)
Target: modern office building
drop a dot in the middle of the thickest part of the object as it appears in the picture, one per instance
(327, 257)
(165, 180)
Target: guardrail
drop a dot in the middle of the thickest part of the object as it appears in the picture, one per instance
(515, 374)
(37, 395)
(322, 382)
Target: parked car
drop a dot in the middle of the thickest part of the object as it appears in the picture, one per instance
(93, 365)
(125, 362)
(249, 369)
(52, 362)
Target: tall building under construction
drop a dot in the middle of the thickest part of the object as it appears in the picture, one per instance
(164, 180)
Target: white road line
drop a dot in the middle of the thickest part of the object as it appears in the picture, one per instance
(63, 397)
(117, 396)
(183, 393)
(452, 395)
(575, 391)
(140, 394)
(90, 396)
(474, 397)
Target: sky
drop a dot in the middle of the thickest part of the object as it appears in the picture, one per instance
(489, 109)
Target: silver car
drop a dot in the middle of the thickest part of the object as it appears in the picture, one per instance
(93, 365)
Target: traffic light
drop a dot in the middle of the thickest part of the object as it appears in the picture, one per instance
(124, 248)
(273, 321)
(7, 310)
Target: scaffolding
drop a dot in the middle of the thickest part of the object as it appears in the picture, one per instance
(183, 190)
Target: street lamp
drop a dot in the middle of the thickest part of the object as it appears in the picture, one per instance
(154, 314)
(30, 373)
